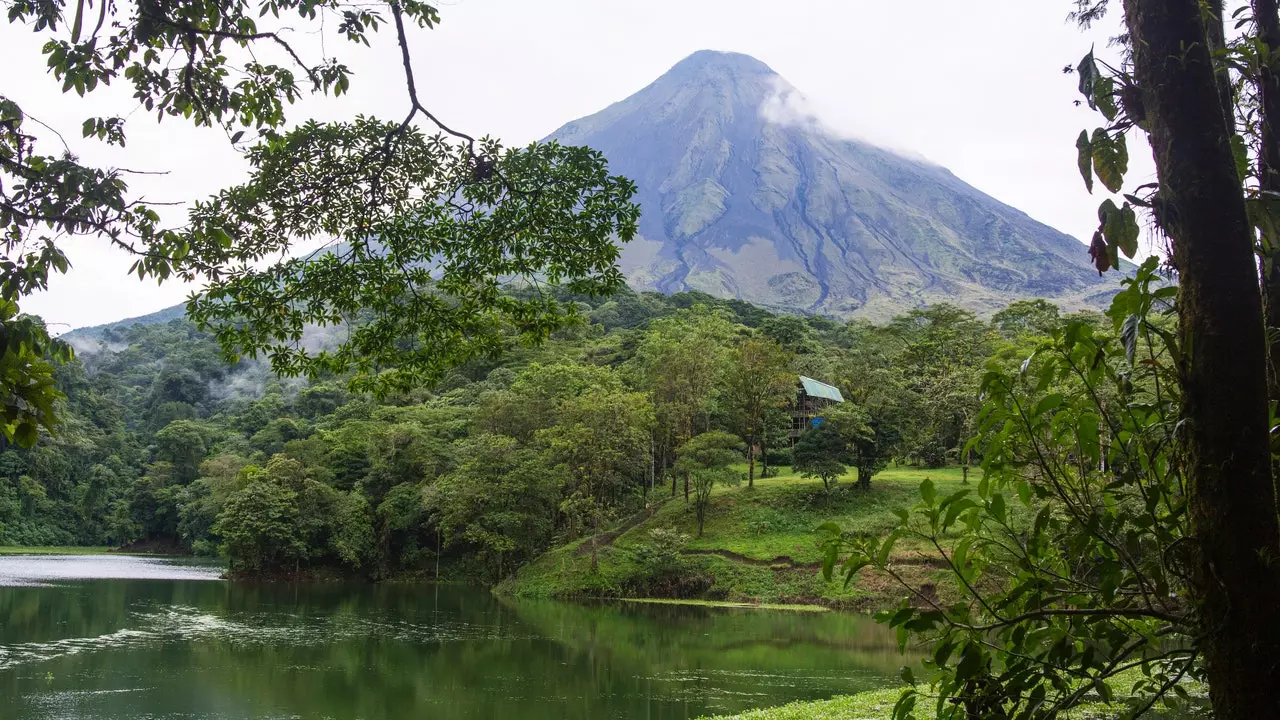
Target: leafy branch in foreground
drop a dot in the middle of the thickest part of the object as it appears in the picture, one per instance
(1070, 556)
(420, 231)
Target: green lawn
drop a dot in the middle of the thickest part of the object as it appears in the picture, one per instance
(870, 705)
(878, 705)
(759, 544)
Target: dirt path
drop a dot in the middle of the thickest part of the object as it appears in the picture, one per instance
(606, 539)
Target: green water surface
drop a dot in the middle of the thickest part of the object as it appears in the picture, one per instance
(115, 637)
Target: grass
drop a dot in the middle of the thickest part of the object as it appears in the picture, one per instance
(53, 550)
(878, 705)
(758, 546)
(870, 705)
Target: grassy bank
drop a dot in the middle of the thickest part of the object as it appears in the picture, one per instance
(878, 705)
(53, 550)
(758, 546)
(870, 705)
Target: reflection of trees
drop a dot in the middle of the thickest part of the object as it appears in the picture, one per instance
(418, 651)
(676, 635)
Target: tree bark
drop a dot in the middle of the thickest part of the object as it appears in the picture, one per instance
(751, 463)
(1266, 15)
(1232, 498)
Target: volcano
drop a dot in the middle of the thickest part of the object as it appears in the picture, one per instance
(744, 194)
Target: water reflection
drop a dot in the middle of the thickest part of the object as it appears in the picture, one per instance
(199, 649)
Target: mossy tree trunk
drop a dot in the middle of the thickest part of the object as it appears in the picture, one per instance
(1231, 494)
(1266, 15)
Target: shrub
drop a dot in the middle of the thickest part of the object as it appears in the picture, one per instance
(661, 556)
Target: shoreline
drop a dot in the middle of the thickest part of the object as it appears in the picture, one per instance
(726, 604)
(76, 550)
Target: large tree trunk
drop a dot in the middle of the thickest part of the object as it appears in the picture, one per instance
(1267, 17)
(1232, 499)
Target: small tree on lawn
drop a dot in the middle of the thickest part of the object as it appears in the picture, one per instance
(870, 439)
(821, 453)
(707, 459)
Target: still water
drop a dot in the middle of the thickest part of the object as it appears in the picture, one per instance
(120, 637)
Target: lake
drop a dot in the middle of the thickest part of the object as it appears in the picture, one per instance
(126, 637)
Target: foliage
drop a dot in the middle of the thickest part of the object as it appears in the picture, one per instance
(708, 460)
(661, 555)
(259, 528)
(471, 479)
(499, 503)
(758, 381)
(821, 453)
(424, 227)
(1091, 580)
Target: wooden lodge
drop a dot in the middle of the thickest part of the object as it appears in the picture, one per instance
(812, 398)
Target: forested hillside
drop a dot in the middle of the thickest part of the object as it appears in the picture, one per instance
(164, 446)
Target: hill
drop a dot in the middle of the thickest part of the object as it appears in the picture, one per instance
(759, 546)
(746, 195)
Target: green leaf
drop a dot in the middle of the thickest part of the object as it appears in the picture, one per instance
(928, 492)
(1048, 403)
(1119, 227)
(1240, 152)
(1129, 336)
(886, 547)
(1088, 72)
(1104, 98)
(1087, 436)
(1085, 158)
(1110, 158)
(997, 508)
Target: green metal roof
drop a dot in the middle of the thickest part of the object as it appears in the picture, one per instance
(813, 388)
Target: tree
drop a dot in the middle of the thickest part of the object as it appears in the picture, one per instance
(182, 444)
(821, 453)
(870, 438)
(1155, 530)
(1068, 557)
(681, 360)
(1200, 205)
(500, 501)
(707, 459)
(426, 229)
(1027, 317)
(600, 442)
(757, 381)
(259, 528)
(940, 362)
(775, 427)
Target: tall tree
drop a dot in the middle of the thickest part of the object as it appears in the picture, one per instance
(682, 360)
(1201, 208)
(757, 381)
(1266, 17)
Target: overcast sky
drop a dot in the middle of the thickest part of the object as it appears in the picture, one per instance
(974, 86)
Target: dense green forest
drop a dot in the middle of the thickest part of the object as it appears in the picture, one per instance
(165, 446)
